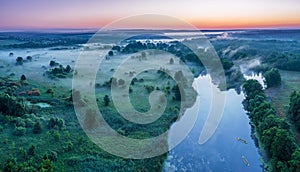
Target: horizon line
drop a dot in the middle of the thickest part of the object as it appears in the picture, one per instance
(27, 29)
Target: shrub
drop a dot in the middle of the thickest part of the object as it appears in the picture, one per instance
(9, 106)
(226, 63)
(56, 122)
(56, 135)
(23, 78)
(171, 61)
(49, 91)
(19, 61)
(69, 146)
(31, 150)
(47, 165)
(149, 88)
(28, 123)
(19, 131)
(37, 128)
(53, 63)
(68, 69)
(29, 58)
(121, 82)
(51, 155)
(19, 122)
(110, 53)
(106, 100)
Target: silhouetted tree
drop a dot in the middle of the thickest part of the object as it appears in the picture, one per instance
(106, 100)
(19, 61)
(110, 53)
(23, 78)
(171, 61)
(29, 58)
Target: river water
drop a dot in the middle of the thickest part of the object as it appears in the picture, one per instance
(222, 152)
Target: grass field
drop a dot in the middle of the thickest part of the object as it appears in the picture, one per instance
(280, 96)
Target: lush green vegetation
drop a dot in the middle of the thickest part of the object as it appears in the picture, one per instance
(294, 109)
(272, 78)
(58, 70)
(30, 135)
(50, 139)
(272, 131)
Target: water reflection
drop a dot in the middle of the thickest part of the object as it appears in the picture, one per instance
(223, 152)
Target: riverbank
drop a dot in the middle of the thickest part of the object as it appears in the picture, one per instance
(273, 133)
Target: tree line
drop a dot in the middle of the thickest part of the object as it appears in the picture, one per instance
(273, 132)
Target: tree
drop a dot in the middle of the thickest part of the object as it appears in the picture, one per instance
(68, 69)
(272, 121)
(106, 100)
(29, 58)
(19, 61)
(283, 145)
(121, 82)
(143, 54)
(252, 88)
(272, 78)
(116, 47)
(23, 78)
(171, 61)
(177, 93)
(294, 109)
(226, 63)
(279, 143)
(53, 63)
(179, 77)
(295, 161)
(110, 53)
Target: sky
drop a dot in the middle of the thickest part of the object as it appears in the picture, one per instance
(208, 14)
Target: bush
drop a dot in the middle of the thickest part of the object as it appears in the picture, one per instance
(47, 165)
(19, 61)
(68, 69)
(53, 63)
(106, 100)
(226, 63)
(23, 78)
(9, 106)
(56, 122)
(51, 155)
(37, 128)
(171, 61)
(19, 131)
(31, 150)
(149, 88)
(69, 146)
(121, 82)
(29, 58)
(19, 122)
(56, 135)
(28, 123)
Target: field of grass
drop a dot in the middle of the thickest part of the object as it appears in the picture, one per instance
(66, 145)
(280, 96)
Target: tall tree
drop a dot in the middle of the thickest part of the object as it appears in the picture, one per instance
(272, 78)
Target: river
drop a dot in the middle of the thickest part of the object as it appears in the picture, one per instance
(222, 152)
